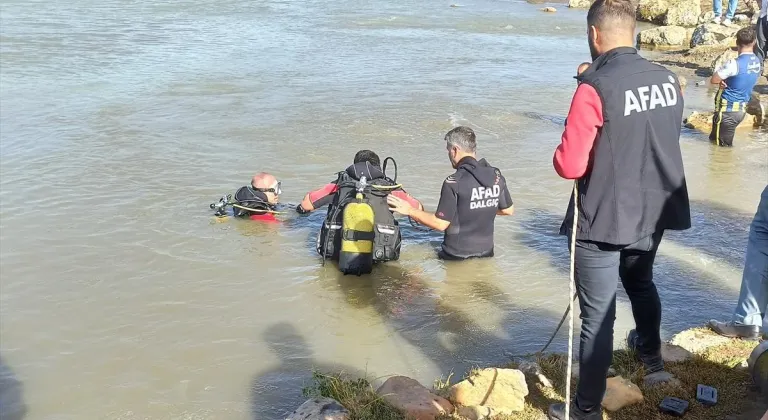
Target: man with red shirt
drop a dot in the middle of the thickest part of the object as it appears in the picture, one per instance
(621, 145)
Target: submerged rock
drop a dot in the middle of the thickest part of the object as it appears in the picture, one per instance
(549, 10)
(411, 397)
(320, 409)
(683, 13)
(713, 34)
(663, 36)
(502, 390)
(619, 393)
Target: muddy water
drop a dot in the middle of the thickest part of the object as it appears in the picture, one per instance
(121, 121)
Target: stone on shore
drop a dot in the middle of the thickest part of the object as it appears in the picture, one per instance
(652, 10)
(684, 13)
(702, 121)
(660, 378)
(698, 340)
(741, 18)
(415, 400)
(549, 10)
(671, 353)
(663, 36)
(502, 390)
(476, 412)
(619, 393)
(533, 369)
(707, 17)
(713, 34)
(320, 409)
(579, 4)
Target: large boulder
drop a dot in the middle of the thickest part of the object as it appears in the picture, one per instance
(713, 34)
(619, 393)
(652, 10)
(663, 36)
(501, 390)
(320, 409)
(580, 4)
(412, 398)
(683, 13)
(723, 58)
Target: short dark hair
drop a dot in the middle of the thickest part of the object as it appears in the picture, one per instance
(746, 36)
(463, 138)
(367, 156)
(608, 15)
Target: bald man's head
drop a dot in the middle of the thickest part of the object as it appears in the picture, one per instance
(611, 25)
(268, 184)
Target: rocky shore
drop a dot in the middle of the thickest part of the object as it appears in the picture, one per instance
(524, 388)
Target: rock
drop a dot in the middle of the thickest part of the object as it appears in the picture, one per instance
(741, 18)
(502, 390)
(533, 369)
(476, 412)
(697, 340)
(652, 10)
(684, 13)
(726, 56)
(671, 353)
(320, 409)
(707, 17)
(713, 34)
(702, 121)
(619, 393)
(747, 7)
(549, 10)
(579, 4)
(663, 36)
(411, 397)
(659, 378)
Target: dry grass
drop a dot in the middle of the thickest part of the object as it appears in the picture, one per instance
(713, 367)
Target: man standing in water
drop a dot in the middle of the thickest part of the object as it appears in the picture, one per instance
(621, 144)
(469, 201)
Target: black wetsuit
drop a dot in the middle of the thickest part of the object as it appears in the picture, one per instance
(469, 200)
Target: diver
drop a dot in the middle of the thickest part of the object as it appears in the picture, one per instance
(359, 229)
(258, 201)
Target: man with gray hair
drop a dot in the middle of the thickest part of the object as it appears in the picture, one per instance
(469, 201)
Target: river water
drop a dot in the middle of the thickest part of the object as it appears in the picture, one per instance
(121, 121)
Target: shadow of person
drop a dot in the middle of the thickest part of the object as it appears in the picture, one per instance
(12, 406)
(278, 391)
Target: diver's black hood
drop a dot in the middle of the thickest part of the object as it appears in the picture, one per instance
(364, 169)
(484, 173)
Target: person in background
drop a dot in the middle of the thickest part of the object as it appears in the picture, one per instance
(717, 7)
(751, 314)
(470, 200)
(260, 198)
(762, 32)
(736, 79)
(631, 188)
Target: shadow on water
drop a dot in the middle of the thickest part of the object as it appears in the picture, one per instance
(12, 406)
(274, 391)
(684, 288)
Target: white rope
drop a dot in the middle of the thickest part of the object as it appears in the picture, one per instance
(571, 287)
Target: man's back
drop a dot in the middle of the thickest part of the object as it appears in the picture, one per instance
(741, 74)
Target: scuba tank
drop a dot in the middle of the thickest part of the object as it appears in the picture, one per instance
(357, 235)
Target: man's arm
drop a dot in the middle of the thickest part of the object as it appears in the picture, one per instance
(446, 209)
(585, 118)
(317, 198)
(506, 206)
(729, 69)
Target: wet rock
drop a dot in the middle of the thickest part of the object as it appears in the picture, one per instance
(671, 353)
(663, 36)
(723, 58)
(320, 409)
(411, 397)
(707, 17)
(652, 10)
(579, 4)
(502, 390)
(660, 378)
(684, 13)
(476, 412)
(713, 34)
(549, 10)
(697, 340)
(533, 369)
(619, 393)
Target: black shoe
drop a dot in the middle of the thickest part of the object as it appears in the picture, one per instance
(653, 362)
(557, 412)
(734, 330)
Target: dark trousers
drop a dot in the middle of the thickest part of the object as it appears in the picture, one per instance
(599, 267)
(762, 38)
(724, 125)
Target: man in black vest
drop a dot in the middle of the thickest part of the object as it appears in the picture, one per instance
(622, 145)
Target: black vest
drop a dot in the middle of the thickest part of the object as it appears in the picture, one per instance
(636, 184)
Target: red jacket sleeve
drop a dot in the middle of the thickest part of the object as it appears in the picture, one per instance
(585, 118)
(322, 196)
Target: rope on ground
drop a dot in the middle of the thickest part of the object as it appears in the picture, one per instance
(571, 288)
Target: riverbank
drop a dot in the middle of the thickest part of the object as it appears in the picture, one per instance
(696, 356)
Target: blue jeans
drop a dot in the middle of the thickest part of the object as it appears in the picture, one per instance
(717, 6)
(753, 298)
